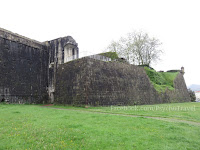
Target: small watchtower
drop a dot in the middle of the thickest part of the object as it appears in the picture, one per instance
(182, 70)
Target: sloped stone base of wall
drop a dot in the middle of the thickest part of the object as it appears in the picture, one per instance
(92, 82)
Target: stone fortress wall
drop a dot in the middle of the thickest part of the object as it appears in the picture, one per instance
(94, 82)
(61, 50)
(28, 67)
(43, 72)
(23, 68)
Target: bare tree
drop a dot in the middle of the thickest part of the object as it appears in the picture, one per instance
(138, 48)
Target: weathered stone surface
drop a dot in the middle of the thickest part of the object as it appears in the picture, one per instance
(60, 50)
(88, 81)
(5, 34)
(23, 72)
(33, 72)
(28, 68)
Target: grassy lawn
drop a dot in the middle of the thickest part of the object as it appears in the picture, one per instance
(35, 127)
(183, 111)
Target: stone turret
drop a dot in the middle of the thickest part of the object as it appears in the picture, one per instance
(182, 70)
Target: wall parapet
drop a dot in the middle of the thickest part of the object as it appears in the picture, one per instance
(21, 39)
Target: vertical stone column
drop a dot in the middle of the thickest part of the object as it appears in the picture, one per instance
(77, 53)
(59, 52)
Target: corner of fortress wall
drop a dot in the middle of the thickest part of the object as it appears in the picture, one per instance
(28, 67)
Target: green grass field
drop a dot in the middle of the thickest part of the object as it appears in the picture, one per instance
(66, 127)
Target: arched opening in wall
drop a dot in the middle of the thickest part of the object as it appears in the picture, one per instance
(3, 100)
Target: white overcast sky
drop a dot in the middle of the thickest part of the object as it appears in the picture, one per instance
(95, 23)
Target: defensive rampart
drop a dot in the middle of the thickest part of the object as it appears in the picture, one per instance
(89, 81)
(23, 69)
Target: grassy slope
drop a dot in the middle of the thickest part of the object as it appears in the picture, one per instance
(161, 80)
(26, 126)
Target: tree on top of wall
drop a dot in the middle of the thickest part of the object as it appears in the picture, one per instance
(138, 48)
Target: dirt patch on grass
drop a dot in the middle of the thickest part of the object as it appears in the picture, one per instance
(48, 105)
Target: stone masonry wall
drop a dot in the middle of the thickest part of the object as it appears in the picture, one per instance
(32, 72)
(180, 94)
(88, 81)
(57, 55)
(23, 69)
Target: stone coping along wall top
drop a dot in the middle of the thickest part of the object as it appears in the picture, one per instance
(20, 39)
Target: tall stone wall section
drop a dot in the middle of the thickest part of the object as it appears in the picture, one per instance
(60, 50)
(88, 81)
(23, 69)
(179, 94)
